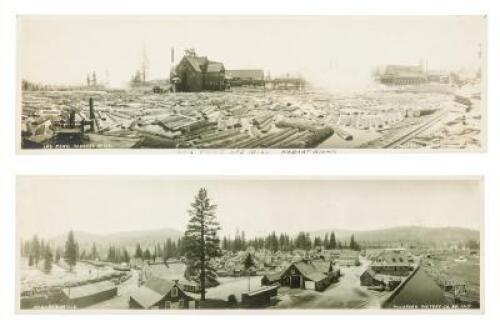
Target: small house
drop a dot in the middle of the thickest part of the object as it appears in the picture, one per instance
(159, 293)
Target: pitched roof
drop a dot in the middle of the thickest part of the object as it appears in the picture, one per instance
(316, 276)
(153, 291)
(263, 289)
(196, 62)
(215, 67)
(146, 297)
(310, 271)
(274, 277)
(321, 266)
(394, 257)
(160, 285)
(199, 62)
(88, 289)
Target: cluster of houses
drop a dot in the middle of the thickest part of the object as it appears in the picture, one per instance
(297, 270)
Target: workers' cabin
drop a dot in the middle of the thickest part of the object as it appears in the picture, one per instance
(158, 293)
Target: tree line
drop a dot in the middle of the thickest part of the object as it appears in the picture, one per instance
(37, 250)
(284, 242)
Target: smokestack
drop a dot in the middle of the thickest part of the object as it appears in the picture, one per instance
(91, 108)
(172, 55)
(72, 119)
(92, 115)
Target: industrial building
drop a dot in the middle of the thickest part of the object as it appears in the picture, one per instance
(404, 75)
(197, 73)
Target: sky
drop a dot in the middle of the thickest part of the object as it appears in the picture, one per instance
(50, 206)
(331, 51)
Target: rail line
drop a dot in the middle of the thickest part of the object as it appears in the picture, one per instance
(399, 138)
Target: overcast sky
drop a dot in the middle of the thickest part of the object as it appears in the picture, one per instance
(336, 51)
(53, 205)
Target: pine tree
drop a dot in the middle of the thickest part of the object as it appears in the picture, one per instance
(138, 252)
(36, 250)
(147, 255)
(71, 251)
(126, 257)
(247, 264)
(58, 255)
(47, 260)
(201, 242)
(333, 242)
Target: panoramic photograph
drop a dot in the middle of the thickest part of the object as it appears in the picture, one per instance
(129, 244)
(243, 83)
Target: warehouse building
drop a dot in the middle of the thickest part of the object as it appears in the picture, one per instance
(246, 77)
(89, 294)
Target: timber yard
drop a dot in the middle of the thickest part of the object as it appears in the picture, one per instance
(201, 105)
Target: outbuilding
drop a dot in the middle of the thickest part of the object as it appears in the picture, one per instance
(261, 297)
(89, 294)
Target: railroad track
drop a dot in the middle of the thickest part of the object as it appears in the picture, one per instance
(404, 136)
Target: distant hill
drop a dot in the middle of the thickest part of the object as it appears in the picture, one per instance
(129, 239)
(409, 234)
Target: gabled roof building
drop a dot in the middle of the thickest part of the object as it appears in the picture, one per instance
(197, 73)
(305, 274)
(159, 293)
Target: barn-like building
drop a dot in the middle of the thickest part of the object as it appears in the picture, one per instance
(306, 274)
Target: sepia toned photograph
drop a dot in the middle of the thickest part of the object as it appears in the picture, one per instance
(284, 84)
(162, 244)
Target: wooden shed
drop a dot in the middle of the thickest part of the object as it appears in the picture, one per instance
(89, 294)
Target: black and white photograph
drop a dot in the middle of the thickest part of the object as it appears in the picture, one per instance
(132, 243)
(247, 83)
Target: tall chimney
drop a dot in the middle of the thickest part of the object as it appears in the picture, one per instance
(172, 55)
(92, 115)
(72, 118)
(91, 108)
